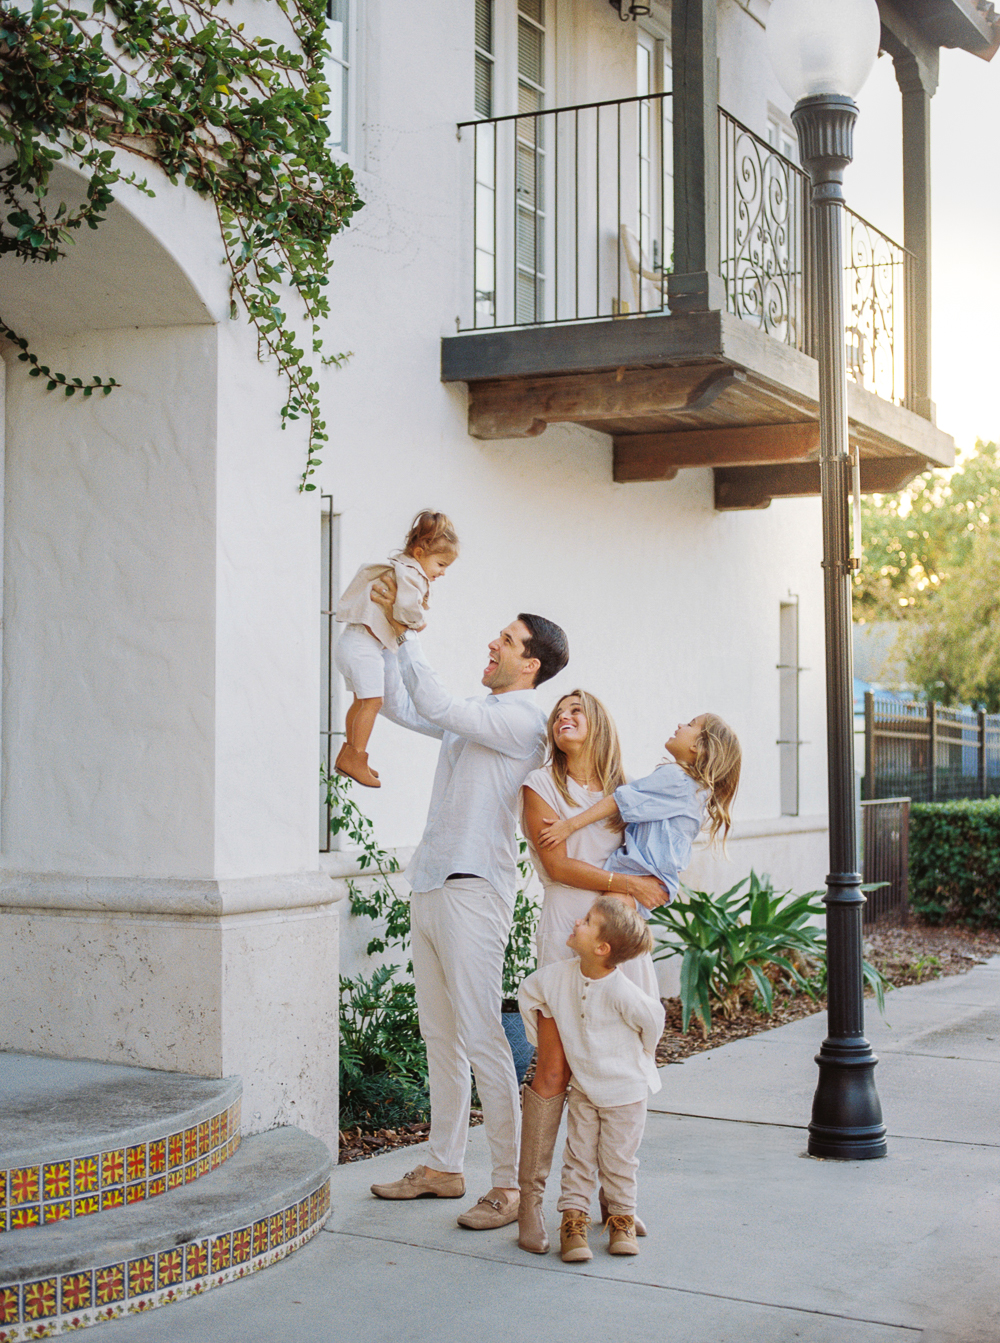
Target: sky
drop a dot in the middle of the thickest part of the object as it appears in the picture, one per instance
(965, 227)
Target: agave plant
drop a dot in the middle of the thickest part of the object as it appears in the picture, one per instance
(744, 942)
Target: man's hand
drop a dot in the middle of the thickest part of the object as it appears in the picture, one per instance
(384, 595)
(648, 891)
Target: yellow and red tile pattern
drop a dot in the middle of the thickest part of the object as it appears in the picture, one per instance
(61, 1303)
(79, 1186)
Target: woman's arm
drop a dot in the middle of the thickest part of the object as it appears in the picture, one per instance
(584, 876)
(558, 831)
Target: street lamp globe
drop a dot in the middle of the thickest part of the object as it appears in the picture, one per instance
(823, 46)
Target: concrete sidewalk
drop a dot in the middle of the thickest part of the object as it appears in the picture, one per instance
(749, 1238)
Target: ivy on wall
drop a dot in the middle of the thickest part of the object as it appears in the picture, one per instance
(237, 117)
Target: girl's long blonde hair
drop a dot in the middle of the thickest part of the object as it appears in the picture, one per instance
(602, 743)
(717, 768)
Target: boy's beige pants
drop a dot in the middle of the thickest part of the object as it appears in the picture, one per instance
(601, 1140)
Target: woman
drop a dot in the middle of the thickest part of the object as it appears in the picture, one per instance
(584, 766)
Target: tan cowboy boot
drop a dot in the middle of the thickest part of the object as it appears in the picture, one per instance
(540, 1116)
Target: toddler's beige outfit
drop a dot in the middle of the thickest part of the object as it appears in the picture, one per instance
(359, 649)
(609, 1030)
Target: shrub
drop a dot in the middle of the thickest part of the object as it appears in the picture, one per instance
(955, 862)
(383, 1062)
(736, 948)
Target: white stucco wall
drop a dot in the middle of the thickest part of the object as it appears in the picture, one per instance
(671, 608)
(159, 887)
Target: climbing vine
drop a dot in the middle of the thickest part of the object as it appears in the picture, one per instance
(238, 117)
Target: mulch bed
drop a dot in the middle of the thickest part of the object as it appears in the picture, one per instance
(911, 954)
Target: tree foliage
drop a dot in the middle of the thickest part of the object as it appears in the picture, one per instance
(932, 559)
(237, 117)
(916, 540)
(953, 651)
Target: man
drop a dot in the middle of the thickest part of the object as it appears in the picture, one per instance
(463, 882)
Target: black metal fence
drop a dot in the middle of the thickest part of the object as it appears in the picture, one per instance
(929, 752)
(885, 835)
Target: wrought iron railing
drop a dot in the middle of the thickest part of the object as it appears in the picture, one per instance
(763, 239)
(764, 250)
(929, 752)
(571, 213)
(572, 220)
(879, 275)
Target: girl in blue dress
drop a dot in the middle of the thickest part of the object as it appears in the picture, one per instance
(664, 812)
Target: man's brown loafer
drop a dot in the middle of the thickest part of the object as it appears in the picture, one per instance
(493, 1209)
(417, 1184)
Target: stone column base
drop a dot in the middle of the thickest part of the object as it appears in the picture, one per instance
(249, 987)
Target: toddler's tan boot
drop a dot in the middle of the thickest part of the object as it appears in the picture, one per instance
(621, 1235)
(573, 1245)
(354, 764)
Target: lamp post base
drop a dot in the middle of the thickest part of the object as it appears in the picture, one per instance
(847, 1114)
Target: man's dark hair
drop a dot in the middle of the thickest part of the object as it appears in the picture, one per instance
(547, 643)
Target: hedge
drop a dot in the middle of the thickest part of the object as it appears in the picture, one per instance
(955, 862)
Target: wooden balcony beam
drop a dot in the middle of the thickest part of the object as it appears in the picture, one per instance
(639, 457)
(524, 408)
(755, 486)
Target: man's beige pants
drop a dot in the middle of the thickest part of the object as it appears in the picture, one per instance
(459, 936)
(601, 1140)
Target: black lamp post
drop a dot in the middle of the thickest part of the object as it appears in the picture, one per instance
(822, 52)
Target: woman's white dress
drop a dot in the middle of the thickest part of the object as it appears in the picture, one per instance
(563, 905)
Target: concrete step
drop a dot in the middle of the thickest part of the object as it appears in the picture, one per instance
(270, 1198)
(78, 1138)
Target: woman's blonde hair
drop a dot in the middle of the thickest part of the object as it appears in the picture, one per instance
(431, 532)
(624, 930)
(602, 743)
(716, 767)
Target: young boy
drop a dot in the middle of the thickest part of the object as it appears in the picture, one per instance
(609, 1030)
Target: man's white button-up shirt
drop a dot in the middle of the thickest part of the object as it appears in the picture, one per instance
(489, 747)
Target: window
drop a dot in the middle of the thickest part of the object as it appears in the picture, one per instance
(511, 76)
(484, 58)
(340, 70)
(788, 706)
(781, 134)
(656, 184)
(329, 704)
(529, 299)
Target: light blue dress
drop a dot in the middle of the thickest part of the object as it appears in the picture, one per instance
(662, 813)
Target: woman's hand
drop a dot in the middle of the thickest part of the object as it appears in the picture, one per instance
(554, 832)
(648, 891)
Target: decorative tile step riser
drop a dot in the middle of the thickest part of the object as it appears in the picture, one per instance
(65, 1302)
(56, 1191)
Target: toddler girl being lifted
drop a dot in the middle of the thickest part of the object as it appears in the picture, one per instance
(431, 545)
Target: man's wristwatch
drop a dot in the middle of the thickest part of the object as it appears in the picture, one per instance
(401, 638)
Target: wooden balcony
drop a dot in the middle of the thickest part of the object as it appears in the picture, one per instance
(572, 317)
(681, 391)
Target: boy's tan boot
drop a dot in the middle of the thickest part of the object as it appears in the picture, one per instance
(640, 1225)
(540, 1116)
(354, 764)
(573, 1237)
(621, 1235)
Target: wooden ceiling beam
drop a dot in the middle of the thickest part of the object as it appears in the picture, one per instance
(524, 407)
(639, 457)
(755, 486)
